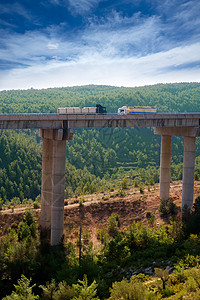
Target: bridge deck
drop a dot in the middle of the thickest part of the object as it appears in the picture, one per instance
(58, 121)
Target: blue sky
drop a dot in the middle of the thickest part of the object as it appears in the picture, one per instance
(60, 43)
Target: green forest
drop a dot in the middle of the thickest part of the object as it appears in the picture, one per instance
(102, 156)
(98, 160)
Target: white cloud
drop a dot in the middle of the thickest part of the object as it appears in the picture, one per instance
(52, 46)
(132, 71)
(114, 50)
(126, 36)
(15, 8)
(83, 6)
(36, 46)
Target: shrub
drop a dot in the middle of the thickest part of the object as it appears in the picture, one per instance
(136, 183)
(36, 205)
(141, 190)
(113, 224)
(117, 249)
(23, 290)
(196, 176)
(81, 201)
(1, 203)
(38, 198)
(151, 181)
(102, 235)
(134, 290)
(148, 215)
(83, 291)
(66, 202)
(120, 193)
(28, 227)
(167, 208)
(15, 201)
(75, 201)
(105, 198)
(124, 183)
(60, 292)
(69, 192)
(24, 231)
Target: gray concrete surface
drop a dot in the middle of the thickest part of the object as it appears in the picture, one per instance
(165, 161)
(60, 121)
(53, 183)
(188, 172)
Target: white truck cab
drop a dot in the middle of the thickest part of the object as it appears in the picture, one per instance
(122, 110)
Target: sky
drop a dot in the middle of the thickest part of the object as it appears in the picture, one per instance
(60, 43)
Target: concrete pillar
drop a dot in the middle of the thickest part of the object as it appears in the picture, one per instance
(46, 188)
(58, 187)
(188, 171)
(165, 160)
(53, 182)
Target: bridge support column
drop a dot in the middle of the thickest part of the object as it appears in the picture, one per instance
(188, 172)
(58, 188)
(46, 188)
(165, 160)
(53, 182)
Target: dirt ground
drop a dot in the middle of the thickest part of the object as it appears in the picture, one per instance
(96, 209)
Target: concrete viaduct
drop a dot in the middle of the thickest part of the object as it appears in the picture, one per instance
(55, 129)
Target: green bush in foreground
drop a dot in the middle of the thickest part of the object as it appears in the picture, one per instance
(23, 290)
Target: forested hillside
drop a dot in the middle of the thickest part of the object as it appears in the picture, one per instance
(113, 262)
(97, 157)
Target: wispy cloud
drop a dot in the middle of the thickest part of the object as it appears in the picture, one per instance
(83, 6)
(180, 17)
(97, 69)
(80, 7)
(113, 48)
(118, 35)
(15, 8)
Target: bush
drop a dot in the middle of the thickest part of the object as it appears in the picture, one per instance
(134, 290)
(60, 292)
(148, 215)
(141, 190)
(28, 227)
(38, 198)
(36, 205)
(1, 203)
(167, 208)
(120, 193)
(66, 202)
(102, 235)
(113, 224)
(69, 192)
(151, 181)
(23, 290)
(136, 183)
(196, 176)
(83, 291)
(124, 183)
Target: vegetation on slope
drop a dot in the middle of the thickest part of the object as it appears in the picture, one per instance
(97, 159)
(108, 154)
(139, 262)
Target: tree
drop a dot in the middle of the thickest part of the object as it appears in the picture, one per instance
(113, 224)
(163, 275)
(85, 292)
(23, 290)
